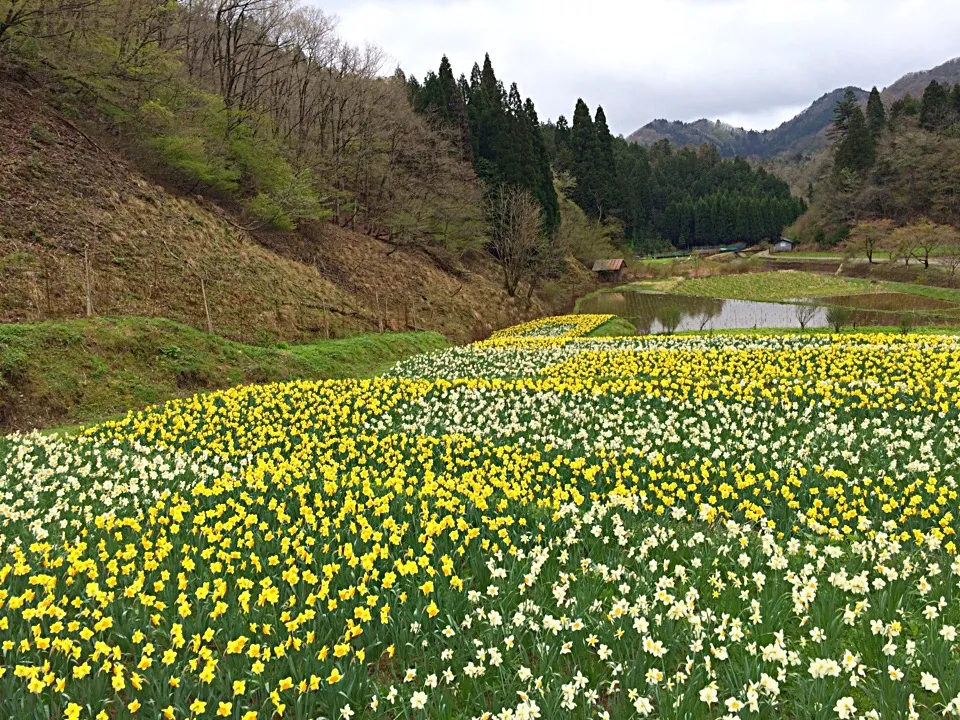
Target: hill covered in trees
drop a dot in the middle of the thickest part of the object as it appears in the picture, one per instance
(240, 155)
(803, 135)
(256, 103)
(899, 164)
(283, 141)
(493, 127)
(661, 194)
(654, 198)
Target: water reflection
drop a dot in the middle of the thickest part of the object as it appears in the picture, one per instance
(657, 313)
(889, 301)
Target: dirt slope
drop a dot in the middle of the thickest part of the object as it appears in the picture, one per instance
(65, 193)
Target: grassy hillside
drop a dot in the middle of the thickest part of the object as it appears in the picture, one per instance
(78, 371)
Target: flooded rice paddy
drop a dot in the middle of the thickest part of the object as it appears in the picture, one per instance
(659, 312)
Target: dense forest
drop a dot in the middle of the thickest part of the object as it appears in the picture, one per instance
(495, 128)
(684, 197)
(658, 197)
(899, 163)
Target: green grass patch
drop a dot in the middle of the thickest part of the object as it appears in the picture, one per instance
(614, 327)
(839, 255)
(772, 286)
(930, 291)
(782, 285)
(70, 373)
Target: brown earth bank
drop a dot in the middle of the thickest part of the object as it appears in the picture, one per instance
(76, 213)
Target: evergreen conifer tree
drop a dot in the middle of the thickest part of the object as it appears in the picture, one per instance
(515, 150)
(474, 79)
(452, 108)
(842, 114)
(605, 167)
(876, 115)
(583, 143)
(544, 190)
(563, 155)
(855, 151)
(741, 221)
(935, 107)
(487, 122)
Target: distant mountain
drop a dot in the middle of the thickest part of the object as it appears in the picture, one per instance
(803, 135)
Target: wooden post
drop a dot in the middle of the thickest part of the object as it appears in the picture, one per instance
(35, 288)
(376, 297)
(206, 307)
(46, 284)
(86, 280)
(326, 318)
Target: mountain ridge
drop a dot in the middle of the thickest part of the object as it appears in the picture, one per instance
(804, 134)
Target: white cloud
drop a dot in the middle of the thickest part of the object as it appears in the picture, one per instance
(756, 60)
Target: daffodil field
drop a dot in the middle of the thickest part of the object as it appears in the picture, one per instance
(540, 525)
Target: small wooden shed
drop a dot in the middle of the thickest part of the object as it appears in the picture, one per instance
(785, 245)
(608, 269)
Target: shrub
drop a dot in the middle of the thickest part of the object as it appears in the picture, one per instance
(837, 317)
(906, 322)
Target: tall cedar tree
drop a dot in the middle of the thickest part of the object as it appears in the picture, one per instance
(935, 107)
(876, 115)
(584, 147)
(498, 131)
(516, 153)
(605, 166)
(455, 108)
(487, 119)
(441, 99)
(545, 192)
(842, 115)
(855, 149)
(561, 154)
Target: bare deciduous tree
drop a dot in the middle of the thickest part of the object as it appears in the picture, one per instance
(262, 98)
(39, 20)
(903, 245)
(871, 235)
(517, 241)
(805, 313)
(930, 237)
(920, 240)
(951, 263)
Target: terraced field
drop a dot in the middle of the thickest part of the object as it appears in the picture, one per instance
(540, 525)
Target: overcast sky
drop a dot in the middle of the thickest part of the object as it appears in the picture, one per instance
(754, 63)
